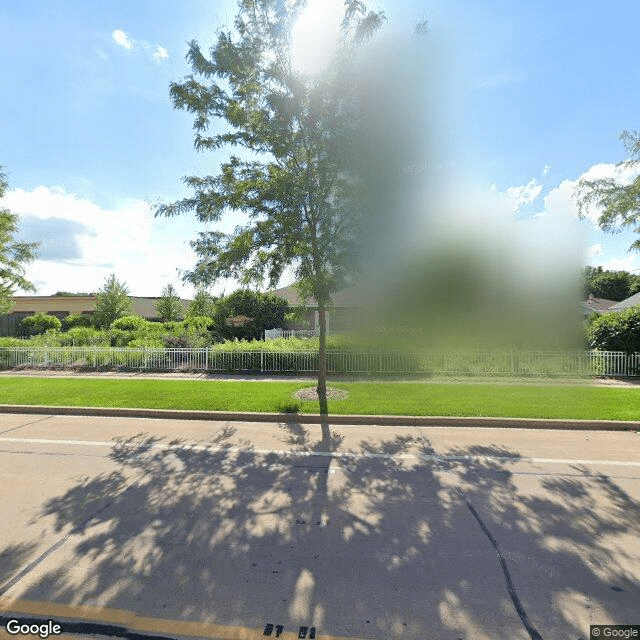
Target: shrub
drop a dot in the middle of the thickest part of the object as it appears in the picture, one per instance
(146, 343)
(83, 337)
(616, 331)
(40, 323)
(177, 342)
(197, 323)
(118, 338)
(77, 320)
(13, 342)
(130, 323)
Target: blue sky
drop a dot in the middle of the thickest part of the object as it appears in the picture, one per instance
(538, 93)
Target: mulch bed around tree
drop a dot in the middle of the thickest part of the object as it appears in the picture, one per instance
(312, 394)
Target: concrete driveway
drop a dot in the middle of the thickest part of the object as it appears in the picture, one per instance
(246, 530)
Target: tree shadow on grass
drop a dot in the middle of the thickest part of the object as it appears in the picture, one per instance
(389, 540)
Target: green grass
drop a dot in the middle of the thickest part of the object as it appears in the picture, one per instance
(382, 398)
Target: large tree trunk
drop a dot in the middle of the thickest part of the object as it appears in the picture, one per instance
(322, 361)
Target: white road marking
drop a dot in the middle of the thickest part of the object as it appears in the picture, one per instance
(337, 454)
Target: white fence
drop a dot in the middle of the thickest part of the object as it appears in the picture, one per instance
(272, 334)
(581, 363)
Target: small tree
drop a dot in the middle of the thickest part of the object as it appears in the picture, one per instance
(298, 186)
(202, 305)
(40, 323)
(13, 255)
(112, 302)
(169, 307)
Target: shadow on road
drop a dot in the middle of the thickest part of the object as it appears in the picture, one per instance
(371, 547)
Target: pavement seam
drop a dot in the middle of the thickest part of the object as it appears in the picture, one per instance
(78, 529)
(513, 594)
(26, 425)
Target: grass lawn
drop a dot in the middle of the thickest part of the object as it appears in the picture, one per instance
(446, 399)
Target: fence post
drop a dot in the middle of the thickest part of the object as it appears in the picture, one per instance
(261, 360)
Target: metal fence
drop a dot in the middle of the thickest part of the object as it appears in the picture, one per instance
(272, 334)
(514, 363)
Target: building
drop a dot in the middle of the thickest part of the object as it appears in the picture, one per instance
(632, 301)
(62, 306)
(344, 315)
(597, 305)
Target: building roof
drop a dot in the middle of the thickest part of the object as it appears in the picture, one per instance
(625, 304)
(237, 321)
(348, 297)
(142, 306)
(598, 304)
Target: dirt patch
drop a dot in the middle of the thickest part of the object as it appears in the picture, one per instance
(312, 395)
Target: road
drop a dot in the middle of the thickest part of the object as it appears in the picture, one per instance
(220, 529)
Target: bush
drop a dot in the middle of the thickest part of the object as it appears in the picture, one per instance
(118, 338)
(616, 331)
(197, 323)
(177, 342)
(146, 343)
(13, 342)
(40, 323)
(130, 323)
(77, 320)
(83, 337)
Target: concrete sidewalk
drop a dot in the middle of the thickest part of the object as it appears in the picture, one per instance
(314, 418)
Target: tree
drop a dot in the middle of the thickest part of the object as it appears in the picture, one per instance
(620, 203)
(298, 188)
(13, 255)
(611, 285)
(169, 307)
(266, 310)
(202, 305)
(112, 302)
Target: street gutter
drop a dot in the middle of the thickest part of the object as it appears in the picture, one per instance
(310, 418)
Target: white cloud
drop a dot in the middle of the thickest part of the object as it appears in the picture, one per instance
(629, 263)
(128, 241)
(595, 250)
(123, 39)
(525, 194)
(160, 54)
(546, 169)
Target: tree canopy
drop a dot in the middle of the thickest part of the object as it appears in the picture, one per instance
(611, 285)
(202, 305)
(298, 185)
(620, 203)
(169, 307)
(112, 302)
(266, 311)
(13, 255)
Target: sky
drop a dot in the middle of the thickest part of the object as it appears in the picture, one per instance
(530, 97)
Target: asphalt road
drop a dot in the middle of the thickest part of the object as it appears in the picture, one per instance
(220, 529)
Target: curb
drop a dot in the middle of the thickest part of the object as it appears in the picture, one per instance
(308, 418)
